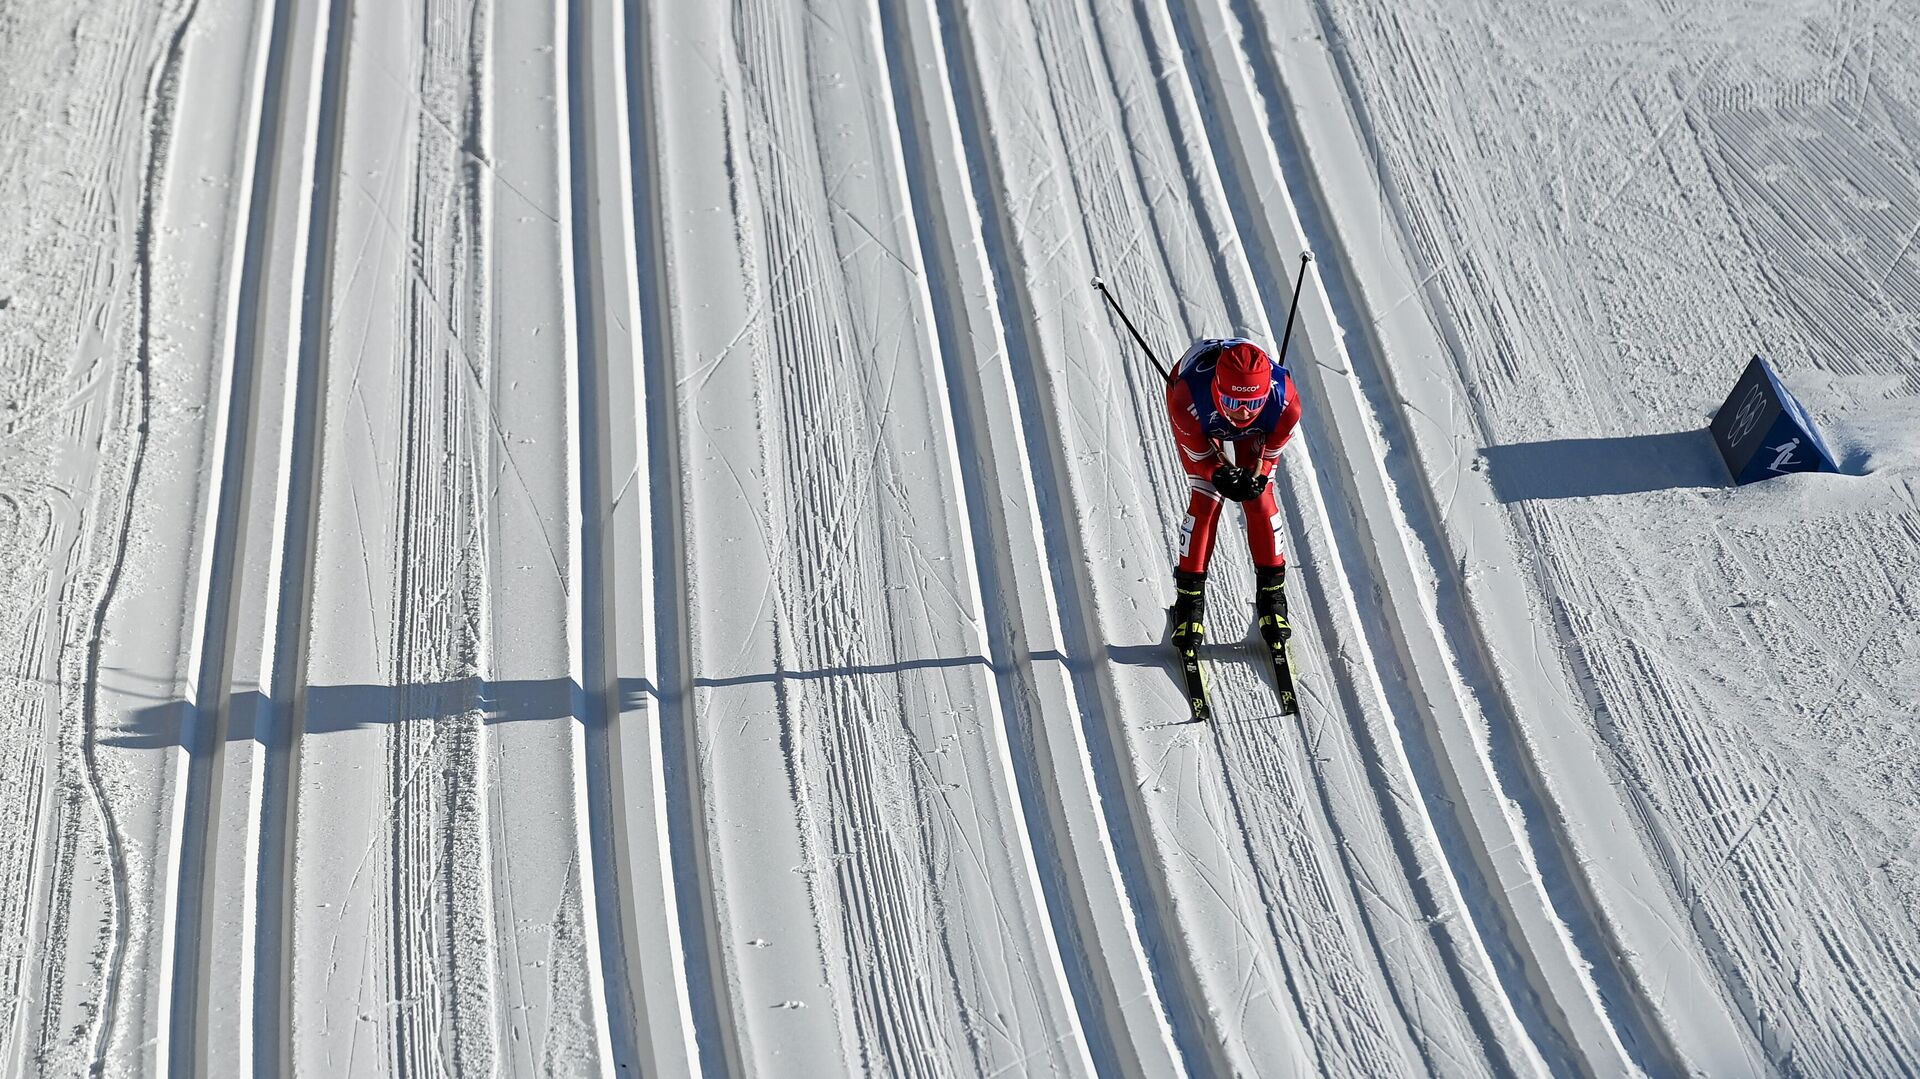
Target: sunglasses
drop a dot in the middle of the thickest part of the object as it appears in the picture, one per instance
(1241, 404)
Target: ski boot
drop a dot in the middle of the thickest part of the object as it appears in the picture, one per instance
(1270, 604)
(1187, 613)
(1189, 610)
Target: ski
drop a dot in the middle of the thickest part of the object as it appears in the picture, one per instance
(1270, 615)
(1187, 637)
(1283, 677)
(1196, 680)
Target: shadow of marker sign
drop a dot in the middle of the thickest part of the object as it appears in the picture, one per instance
(1585, 467)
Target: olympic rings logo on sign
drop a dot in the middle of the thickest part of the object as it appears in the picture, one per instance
(1749, 414)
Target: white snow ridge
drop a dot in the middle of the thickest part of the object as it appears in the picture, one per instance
(613, 537)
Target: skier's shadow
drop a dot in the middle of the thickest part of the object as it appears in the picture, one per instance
(333, 709)
(1585, 467)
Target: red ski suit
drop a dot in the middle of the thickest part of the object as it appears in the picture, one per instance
(1200, 453)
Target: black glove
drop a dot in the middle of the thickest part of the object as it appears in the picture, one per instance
(1237, 483)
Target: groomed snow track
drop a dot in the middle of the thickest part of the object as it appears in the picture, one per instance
(669, 578)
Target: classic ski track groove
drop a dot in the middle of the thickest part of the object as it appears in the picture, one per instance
(213, 644)
(606, 188)
(585, 641)
(197, 814)
(688, 843)
(603, 843)
(293, 568)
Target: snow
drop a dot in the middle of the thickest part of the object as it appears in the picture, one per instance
(566, 536)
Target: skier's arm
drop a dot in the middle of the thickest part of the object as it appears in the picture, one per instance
(1198, 455)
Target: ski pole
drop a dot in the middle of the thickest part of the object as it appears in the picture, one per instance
(1144, 347)
(1300, 279)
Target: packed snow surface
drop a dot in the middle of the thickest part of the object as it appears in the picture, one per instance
(571, 536)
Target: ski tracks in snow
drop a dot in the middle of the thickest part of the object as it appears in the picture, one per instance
(250, 620)
(678, 577)
(903, 867)
(444, 915)
(1269, 1005)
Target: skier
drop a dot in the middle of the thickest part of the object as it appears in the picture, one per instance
(1233, 408)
